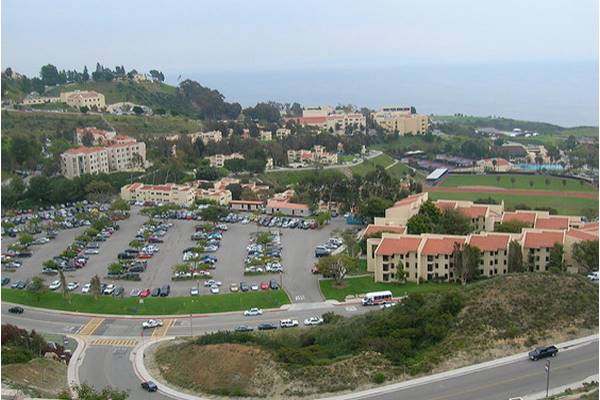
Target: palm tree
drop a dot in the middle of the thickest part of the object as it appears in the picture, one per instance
(95, 286)
(63, 284)
(531, 183)
(513, 180)
(494, 163)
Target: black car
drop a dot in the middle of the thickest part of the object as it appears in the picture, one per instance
(244, 328)
(118, 291)
(155, 292)
(244, 287)
(149, 386)
(266, 327)
(16, 310)
(542, 352)
(126, 256)
(5, 281)
(273, 284)
(18, 285)
(165, 290)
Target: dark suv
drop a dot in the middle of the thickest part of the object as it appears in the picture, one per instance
(165, 290)
(541, 352)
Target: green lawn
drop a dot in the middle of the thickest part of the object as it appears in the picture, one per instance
(133, 124)
(367, 166)
(521, 182)
(564, 205)
(365, 284)
(285, 178)
(150, 306)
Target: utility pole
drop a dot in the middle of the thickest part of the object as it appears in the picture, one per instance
(191, 326)
(547, 368)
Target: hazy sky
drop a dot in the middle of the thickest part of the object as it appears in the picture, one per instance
(212, 36)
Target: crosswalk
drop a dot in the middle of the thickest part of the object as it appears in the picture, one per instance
(91, 326)
(162, 331)
(115, 342)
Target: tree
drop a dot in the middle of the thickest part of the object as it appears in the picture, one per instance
(84, 109)
(115, 268)
(556, 258)
(138, 110)
(263, 112)
(515, 257)
(95, 286)
(37, 287)
(454, 223)
(511, 227)
(513, 180)
(351, 242)
(98, 190)
(585, 254)
(86, 75)
(337, 266)
(63, 284)
(87, 139)
(236, 190)
(466, 262)
(374, 207)
(157, 75)
(531, 183)
(49, 75)
(87, 392)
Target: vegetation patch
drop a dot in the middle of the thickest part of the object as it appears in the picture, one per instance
(39, 377)
(535, 182)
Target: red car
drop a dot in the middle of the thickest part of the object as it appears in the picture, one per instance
(145, 293)
(264, 285)
(144, 256)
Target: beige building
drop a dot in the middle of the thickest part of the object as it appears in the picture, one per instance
(220, 196)
(218, 160)
(33, 100)
(494, 164)
(401, 120)
(317, 155)
(127, 156)
(183, 195)
(266, 135)
(84, 160)
(100, 137)
(281, 133)
(403, 210)
(212, 136)
(83, 98)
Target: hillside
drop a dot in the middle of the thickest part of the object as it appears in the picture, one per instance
(429, 332)
(117, 91)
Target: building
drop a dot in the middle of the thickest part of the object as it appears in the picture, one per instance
(140, 77)
(401, 120)
(402, 210)
(218, 160)
(246, 205)
(84, 98)
(327, 118)
(217, 195)
(128, 155)
(316, 111)
(281, 133)
(317, 155)
(269, 165)
(266, 135)
(34, 100)
(182, 195)
(494, 164)
(99, 137)
(494, 253)
(84, 160)
(206, 137)
(436, 174)
(287, 208)
(537, 245)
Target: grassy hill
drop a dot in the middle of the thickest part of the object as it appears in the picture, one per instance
(442, 330)
(144, 93)
(47, 124)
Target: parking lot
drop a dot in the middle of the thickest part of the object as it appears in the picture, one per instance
(297, 258)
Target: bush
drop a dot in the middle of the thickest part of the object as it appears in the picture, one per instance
(378, 378)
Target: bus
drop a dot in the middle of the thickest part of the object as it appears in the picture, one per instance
(374, 298)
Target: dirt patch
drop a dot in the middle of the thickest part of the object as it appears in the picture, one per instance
(39, 377)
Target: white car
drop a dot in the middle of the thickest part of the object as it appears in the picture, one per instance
(254, 286)
(214, 289)
(86, 288)
(134, 292)
(288, 323)
(212, 282)
(152, 323)
(387, 305)
(72, 285)
(109, 289)
(593, 276)
(194, 291)
(253, 312)
(313, 321)
(54, 285)
(91, 251)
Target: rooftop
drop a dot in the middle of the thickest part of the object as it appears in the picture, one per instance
(435, 246)
(285, 204)
(390, 246)
(413, 198)
(373, 229)
(582, 235)
(545, 239)
(473, 211)
(525, 217)
(552, 223)
(84, 150)
(490, 242)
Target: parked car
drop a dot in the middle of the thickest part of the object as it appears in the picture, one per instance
(593, 276)
(288, 323)
(5, 281)
(86, 288)
(54, 285)
(155, 292)
(243, 328)
(266, 327)
(233, 288)
(165, 291)
(145, 293)
(72, 286)
(322, 251)
(313, 321)
(118, 291)
(264, 285)
(20, 284)
(149, 386)
(194, 291)
(214, 289)
(16, 310)
(152, 323)
(254, 287)
(244, 287)
(109, 289)
(273, 284)
(134, 292)
(542, 352)
(253, 312)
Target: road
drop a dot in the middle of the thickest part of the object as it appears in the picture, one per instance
(372, 154)
(107, 359)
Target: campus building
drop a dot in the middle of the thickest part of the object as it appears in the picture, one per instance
(34, 100)
(246, 205)
(99, 137)
(206, 137)
(327, 118)
(316, 155)
(218, 160)
(84, 160)
(401, 120)
(287, 208)
(83, 98)
(494, 164)
(183, 195)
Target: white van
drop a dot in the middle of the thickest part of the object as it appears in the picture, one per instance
(288, 323)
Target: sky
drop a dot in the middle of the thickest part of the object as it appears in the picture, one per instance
(263, 35)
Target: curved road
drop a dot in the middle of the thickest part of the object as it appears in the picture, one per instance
(108, 358)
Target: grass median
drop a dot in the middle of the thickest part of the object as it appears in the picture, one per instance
(365, 284)
(150, 306)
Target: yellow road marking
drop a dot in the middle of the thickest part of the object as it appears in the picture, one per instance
(91, 326)
(520, 377)
(115, 342)
(162, 331)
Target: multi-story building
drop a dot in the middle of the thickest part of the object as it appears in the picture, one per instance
(537, 245)
(266, 135)
(83, 98)
(127, 156)
(402, 210)
(100, 137)
(183, 195)
(34, 100)
(218, 160)
(481, 216)
(327, 118)
(206, 137)
(395, 258)
(494, 253)
(218, 195)
(84, 160)
(401, 120)
(317, 155)
(281, 133)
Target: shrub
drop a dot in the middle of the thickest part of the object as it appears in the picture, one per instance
(378, 378)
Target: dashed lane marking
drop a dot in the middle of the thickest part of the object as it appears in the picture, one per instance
(91, 326)
(162, 331)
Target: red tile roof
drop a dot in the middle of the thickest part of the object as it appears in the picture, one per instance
(408, 200)
(552, 223)
(312, 120)
(582, 235)
(435, 246)
(539, 240)
(445, 204)
(490, 242)
(285, 204)
(500, 162)
(84, 150)
(373, 229)
(525, 217)
(390, 246)
(473, 211)
(256, 202)
(590, 226)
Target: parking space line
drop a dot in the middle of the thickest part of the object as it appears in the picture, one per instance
(115, 342)
(162, 331)
(91, 326)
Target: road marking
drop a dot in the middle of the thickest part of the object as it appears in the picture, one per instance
(115, 342)
(162, 331)
(91, 326)
(350, 308)
(300, 297)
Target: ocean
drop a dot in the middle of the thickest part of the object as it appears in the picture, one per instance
(562, 93)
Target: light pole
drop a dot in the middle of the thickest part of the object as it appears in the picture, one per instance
(191, 326)
(547, 368)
